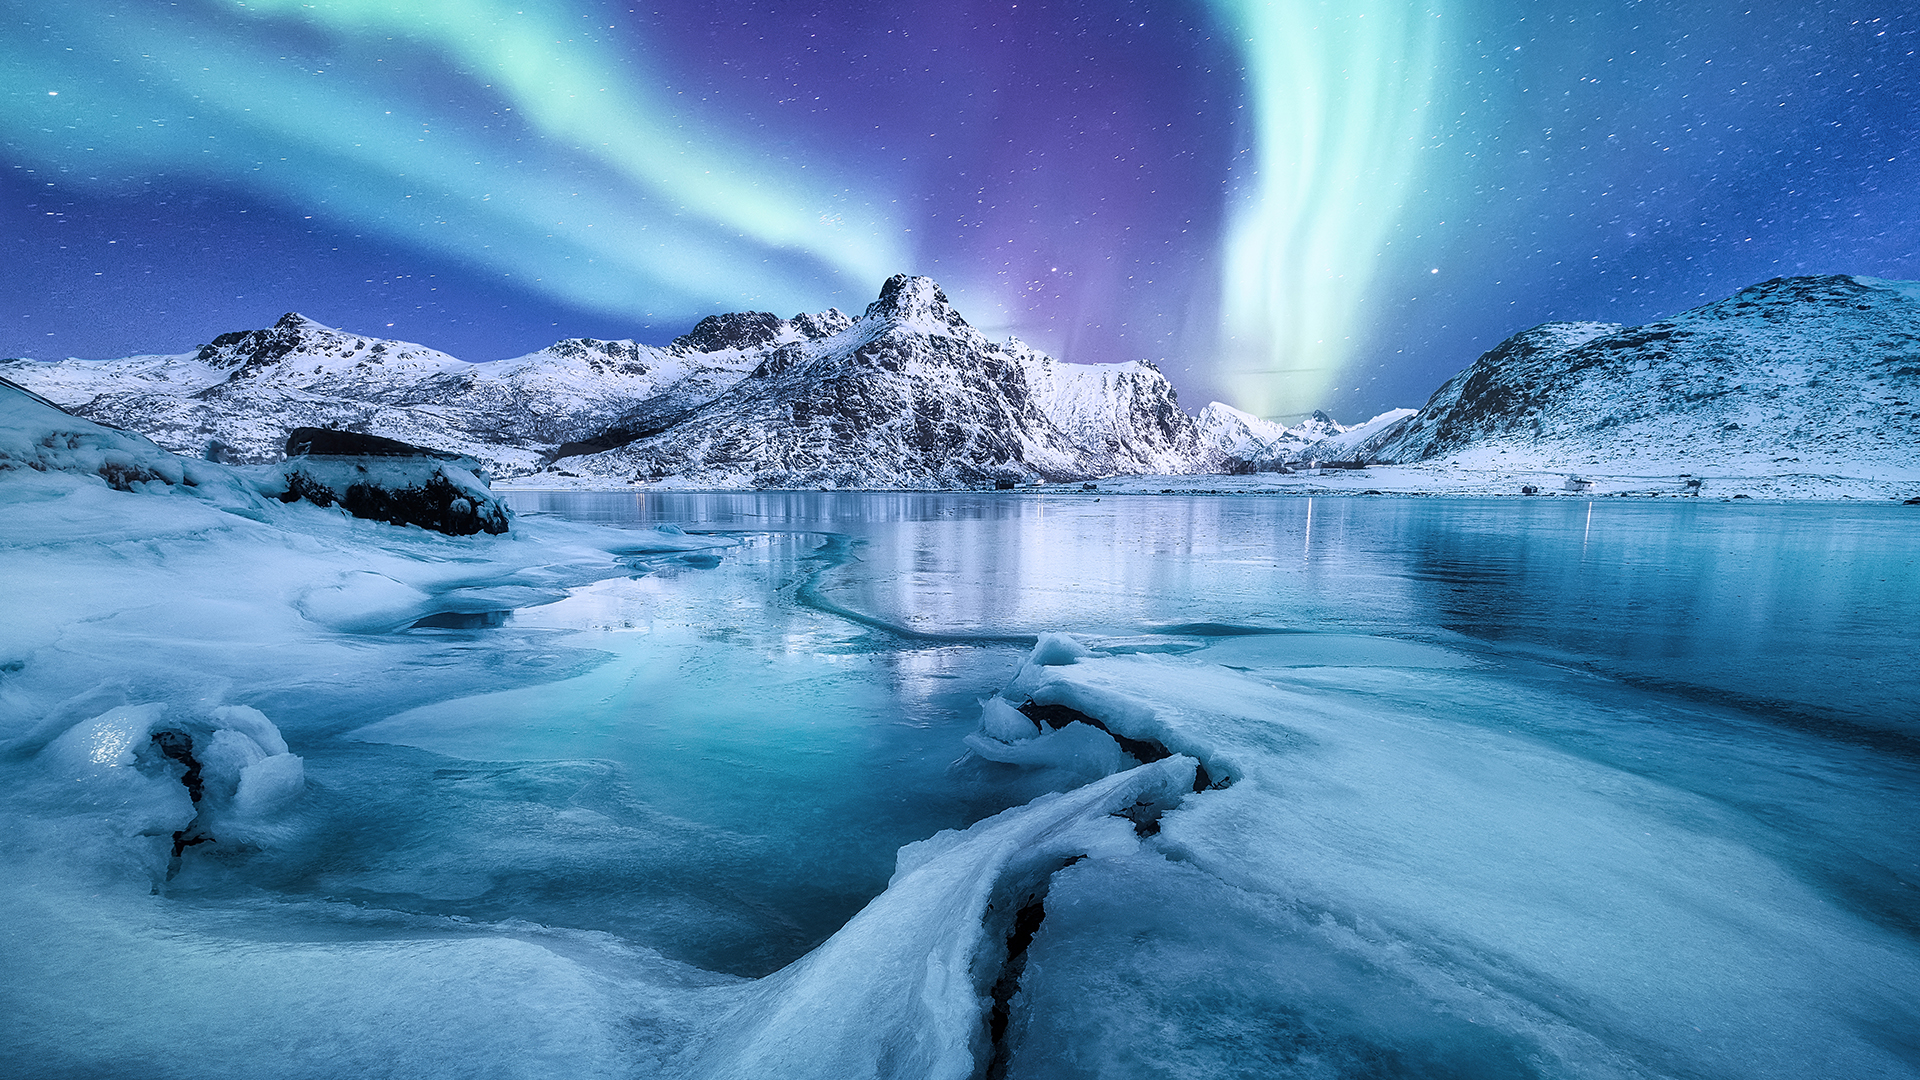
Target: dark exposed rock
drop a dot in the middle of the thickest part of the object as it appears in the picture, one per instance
(387, 480)
(311, 442)
(249, 350)
(734, 330)
(436, 504)
(821, 324)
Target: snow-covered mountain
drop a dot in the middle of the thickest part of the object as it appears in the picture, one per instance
(1239, 437)
(910, 395)
(1794, 375)
(236, 398)
(1802, 374)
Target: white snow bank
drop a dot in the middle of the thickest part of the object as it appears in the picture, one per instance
(36, 436)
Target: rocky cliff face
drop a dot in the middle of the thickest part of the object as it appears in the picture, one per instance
(1790, 375)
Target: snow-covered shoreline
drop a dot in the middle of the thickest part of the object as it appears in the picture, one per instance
(1424, 480)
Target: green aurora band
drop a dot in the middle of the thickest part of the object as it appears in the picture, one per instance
(577, 184)
(1340, 98)
(526, 140)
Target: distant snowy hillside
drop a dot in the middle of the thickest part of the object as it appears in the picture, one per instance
(238, 396)
(1793, 375)
(1236, 436)
(1351, 442)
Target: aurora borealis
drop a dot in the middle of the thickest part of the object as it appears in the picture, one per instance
(1287, 204)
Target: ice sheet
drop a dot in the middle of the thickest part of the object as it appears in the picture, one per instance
(1416, 833)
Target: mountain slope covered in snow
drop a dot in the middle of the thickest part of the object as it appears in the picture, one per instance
(1792, 375)
(910, 395)
(236, 398)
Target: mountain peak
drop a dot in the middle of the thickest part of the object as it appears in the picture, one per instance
(293, 320)
(917, 302)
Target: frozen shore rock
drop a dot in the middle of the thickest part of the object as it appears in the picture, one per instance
(388, 480)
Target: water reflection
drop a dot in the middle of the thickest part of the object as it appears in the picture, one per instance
(1802, 611)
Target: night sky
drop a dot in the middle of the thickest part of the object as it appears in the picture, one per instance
(1288, 205)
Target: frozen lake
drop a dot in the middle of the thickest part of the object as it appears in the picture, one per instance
(1549, 787)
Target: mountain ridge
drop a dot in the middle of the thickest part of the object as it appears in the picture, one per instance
(1798, 374)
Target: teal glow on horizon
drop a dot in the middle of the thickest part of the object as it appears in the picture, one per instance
(1339, 100)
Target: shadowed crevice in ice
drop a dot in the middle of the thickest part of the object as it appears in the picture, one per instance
(1145, 751)
(1216, 629)
(178, 746)
(462, 620)
(1026, 923)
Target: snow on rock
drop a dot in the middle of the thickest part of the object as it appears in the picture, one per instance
(1350, 443)
(1236, 436)
(909, 395)
(1124, 418)
(1793, 375)
(1811, 377)
(388, 480)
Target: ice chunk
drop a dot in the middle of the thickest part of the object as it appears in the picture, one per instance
(224, 755)
(254, 724)
(1000, 720)
(105, 742)
(1489, 870)
(268, 784)
(1055, 649)
(1077, 748)
(362, 601)
(117, 773)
